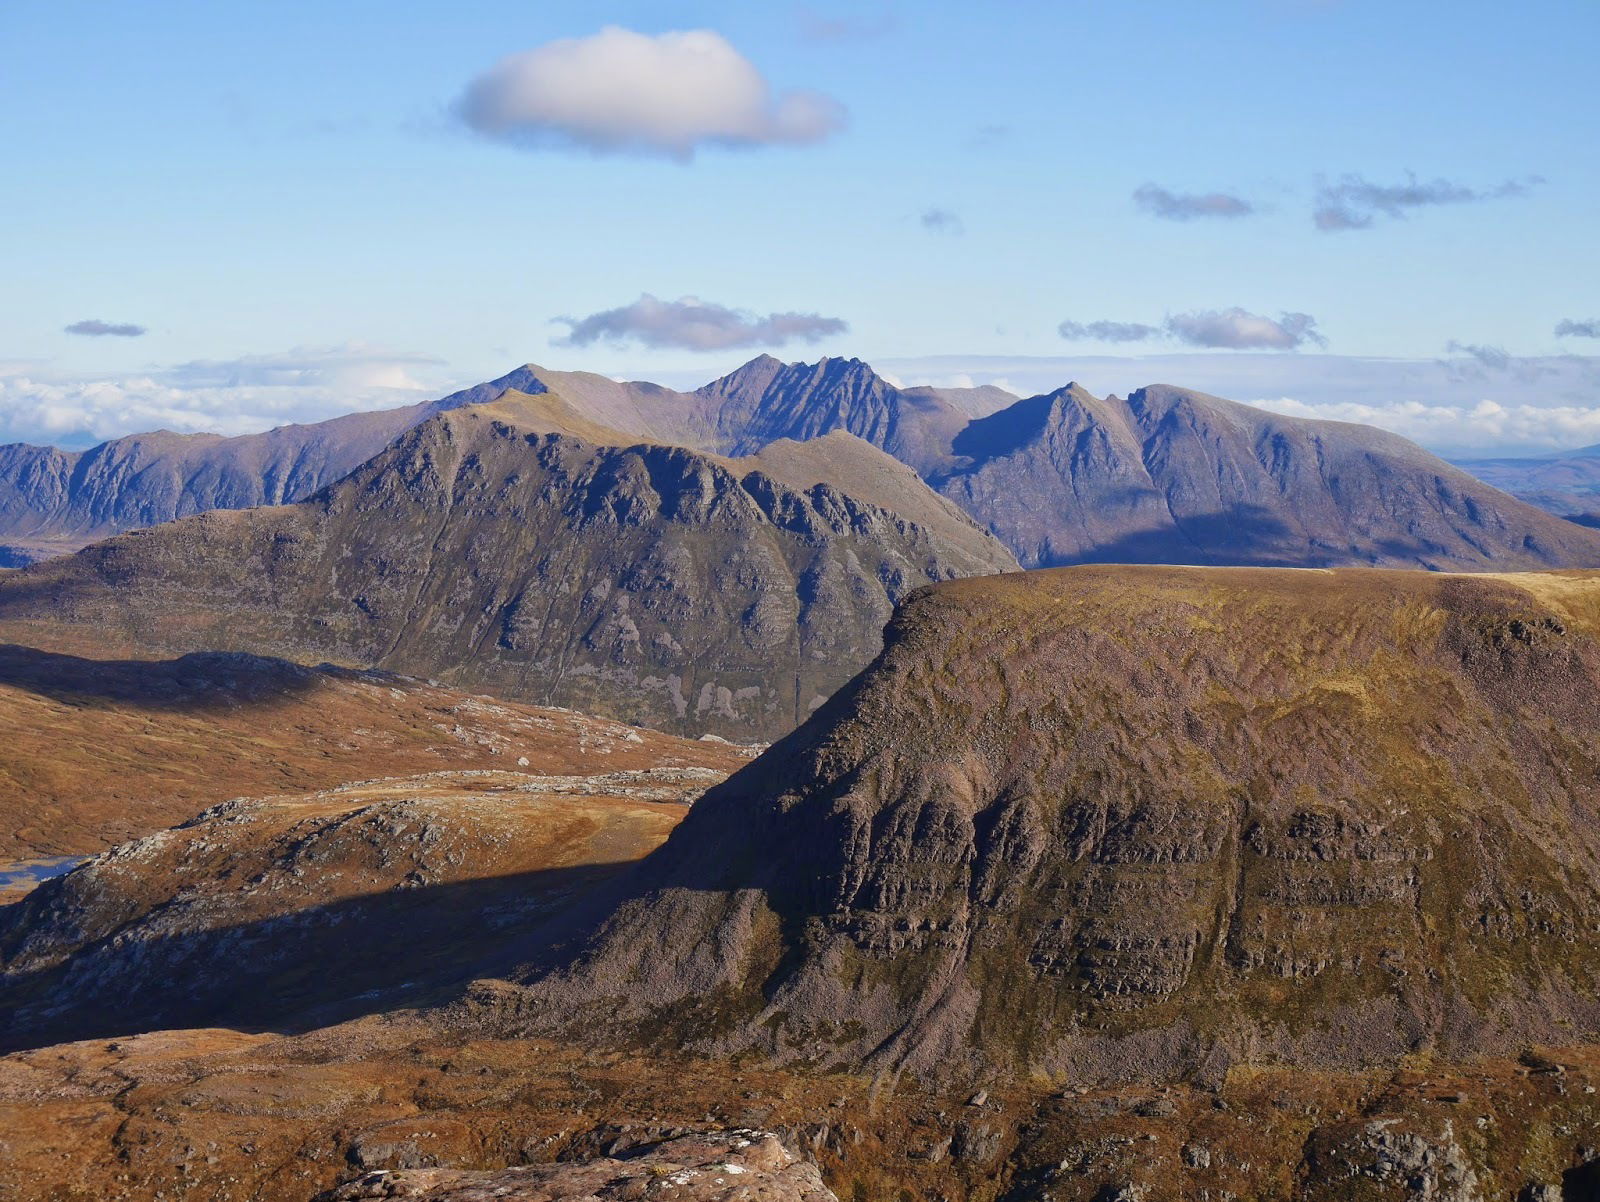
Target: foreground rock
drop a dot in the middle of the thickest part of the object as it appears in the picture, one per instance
(289, 911)
(722, 1166)
(227, 1116)
(1110, 824)
(518, 549)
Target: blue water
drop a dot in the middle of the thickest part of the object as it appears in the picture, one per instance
(26, 874)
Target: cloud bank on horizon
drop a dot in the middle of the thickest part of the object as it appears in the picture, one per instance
(232, 396)
(621, 92)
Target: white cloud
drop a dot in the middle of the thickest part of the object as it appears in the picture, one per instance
(621, 92)
(236, 396)
(689, 323)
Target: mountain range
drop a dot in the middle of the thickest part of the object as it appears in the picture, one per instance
(519, 547)
(1164, 475)
(1566, 484)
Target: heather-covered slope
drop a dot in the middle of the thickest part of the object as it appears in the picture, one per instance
(54, 501)
(1112, 823)
(99, 751)
(489, 548)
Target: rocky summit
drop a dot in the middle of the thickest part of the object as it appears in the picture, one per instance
(1110, 824)
(520, 548)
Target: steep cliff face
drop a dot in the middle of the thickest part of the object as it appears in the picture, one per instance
(493, 548)
(766, 400)
(1113, 823)
(54, 501)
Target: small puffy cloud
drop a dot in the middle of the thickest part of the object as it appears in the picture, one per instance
(1187, 206)
(95, 328)
(942, 221)
(621, 92)
(1355, 203)
(231, 396)
(696, 325)
(1236, 329)
(816, 26)
(987, 137)
(1221, 329)
(1567, 328)
(1107, 331)
(1492, 357)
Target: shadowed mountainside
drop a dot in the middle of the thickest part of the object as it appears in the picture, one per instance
(519, 548)
(1104, 823)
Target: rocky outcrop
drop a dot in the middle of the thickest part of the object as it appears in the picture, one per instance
(718, 1166)
(1119, 823)
(267, 910)
(494, 548)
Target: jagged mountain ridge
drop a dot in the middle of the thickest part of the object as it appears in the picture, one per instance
(1101, 824)
(518, 548)
(1166, 475)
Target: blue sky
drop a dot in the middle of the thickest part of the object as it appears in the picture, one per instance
(286, 198)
